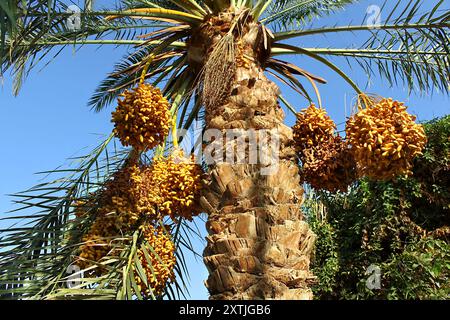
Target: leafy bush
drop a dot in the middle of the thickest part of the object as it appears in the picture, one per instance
(400, 227)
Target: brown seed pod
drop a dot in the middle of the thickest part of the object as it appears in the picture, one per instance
(385, 139)
(142, 119)
(83, 206)
(313, 127)
(329, 166)
(158, 264)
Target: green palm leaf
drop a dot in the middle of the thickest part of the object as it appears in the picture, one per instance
(407, 49)
(292, 13)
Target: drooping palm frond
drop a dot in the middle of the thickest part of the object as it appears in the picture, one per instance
(128, 71)
(37, 31)
(39, 248)
(294, 13)
(36, 36)
(187, 5)
(407, 48)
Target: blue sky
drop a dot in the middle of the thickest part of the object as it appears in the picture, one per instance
(50, 121)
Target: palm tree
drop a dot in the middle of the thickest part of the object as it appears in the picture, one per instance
(212, 58)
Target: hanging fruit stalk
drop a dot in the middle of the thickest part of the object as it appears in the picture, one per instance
(138, 196)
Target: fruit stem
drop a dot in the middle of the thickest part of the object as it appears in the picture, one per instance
(174, 131)
(365, 100)
(145, 69)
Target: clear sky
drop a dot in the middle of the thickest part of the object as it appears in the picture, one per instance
(49, 121)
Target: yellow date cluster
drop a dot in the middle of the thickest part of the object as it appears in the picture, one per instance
(116, 212)
(381, 142)
(312, 128)
(157, 263)
(97, 242)
(136, 197)
(385, 139)
(326, 159)
(142, 119)
(122, 194)
(177, 182)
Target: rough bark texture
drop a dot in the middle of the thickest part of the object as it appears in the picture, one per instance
(259, 245)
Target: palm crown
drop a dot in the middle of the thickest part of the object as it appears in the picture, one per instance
(406, 46)
(188, 48)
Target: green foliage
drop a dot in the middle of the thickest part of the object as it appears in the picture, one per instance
(399, 226)
(326, 256)
(422, 271)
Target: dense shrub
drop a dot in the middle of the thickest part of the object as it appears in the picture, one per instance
(400, 227)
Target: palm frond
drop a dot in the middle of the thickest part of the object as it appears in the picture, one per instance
(38, 31)
(33, 253)
(191, 6)
(38, 249)
(127, 72)
(292, 13)
(408, 49)
(328, 63)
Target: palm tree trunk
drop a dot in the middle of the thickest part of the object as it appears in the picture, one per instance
(258, 245)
